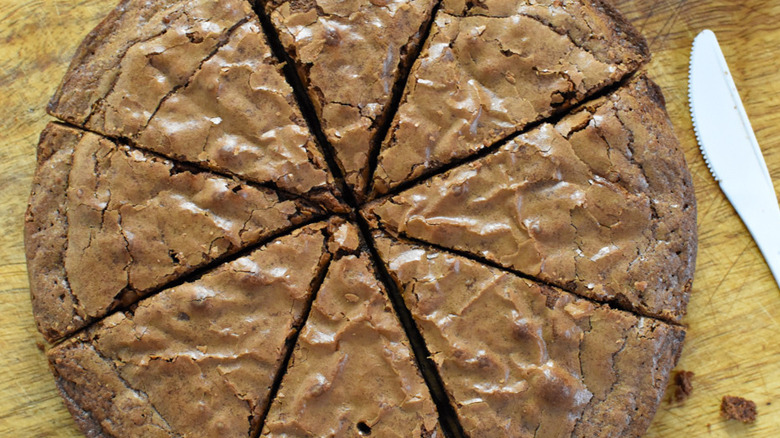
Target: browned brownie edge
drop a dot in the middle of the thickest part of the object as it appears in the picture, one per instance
(84, 420)
(640, 395)
(665, 357)
(667, 172)
(656, 151)
(73, 100)
(102, 404)
(46, 234)
(632, 38)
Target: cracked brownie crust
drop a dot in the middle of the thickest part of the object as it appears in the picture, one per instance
(490, 68)
(596, 203)
(195, 81)
(108, 224)
(547, 363)
(198, 359)
(352, 341)
(425, 218)
(352, 100)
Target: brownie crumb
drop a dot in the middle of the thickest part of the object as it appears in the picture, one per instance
(683, 385)
(738, 408)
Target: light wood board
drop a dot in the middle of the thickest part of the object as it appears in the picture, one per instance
(733, 342)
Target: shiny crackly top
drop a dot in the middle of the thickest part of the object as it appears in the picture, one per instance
(351, 99)
(195, 81)
(520, 360)
(216, 344)
(238, 113)
(352, 372)
(488, 71)
(100, 90)
(136, 222)
(597, 204)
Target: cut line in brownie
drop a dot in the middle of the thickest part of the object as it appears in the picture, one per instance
(198, 359)
(351, 57)
(522, 359)
(108, 224)
(195, 81)
(352, 372)
(491, 68)
(600, 204)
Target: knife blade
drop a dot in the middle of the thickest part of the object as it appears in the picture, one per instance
(730, 148)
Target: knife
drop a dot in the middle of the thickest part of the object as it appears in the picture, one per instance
(730, 148)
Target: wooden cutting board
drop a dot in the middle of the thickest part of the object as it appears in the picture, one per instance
(733, 342)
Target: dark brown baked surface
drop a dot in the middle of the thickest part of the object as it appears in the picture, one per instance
(352, 372)
(107, 224)
(208, 254)
(597, 204)
(523, 359)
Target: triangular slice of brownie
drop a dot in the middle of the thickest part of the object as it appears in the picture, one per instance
(492, 67)
(352, 372)
(109, 223)
(600, 204)
(520, 359)
(198, 359)
(350, 56)
(196, 81)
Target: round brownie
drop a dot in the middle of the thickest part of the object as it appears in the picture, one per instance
(419, 218)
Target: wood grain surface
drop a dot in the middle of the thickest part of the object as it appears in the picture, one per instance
(733, 344)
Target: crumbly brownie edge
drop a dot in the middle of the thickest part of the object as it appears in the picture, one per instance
(93, 391)
(669, 184)
(667, 342)
(669, 161)
(631, 36)
(83, 419)
(46, 234)
(77, 109)
(670, 348)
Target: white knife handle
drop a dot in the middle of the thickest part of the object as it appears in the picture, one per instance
(767, 237)
(761, 214)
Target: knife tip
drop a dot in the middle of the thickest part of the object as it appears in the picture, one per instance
(706, 33)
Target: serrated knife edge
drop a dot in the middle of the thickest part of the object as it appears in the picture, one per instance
(692, 108)
(707, 40)
(729, 146)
